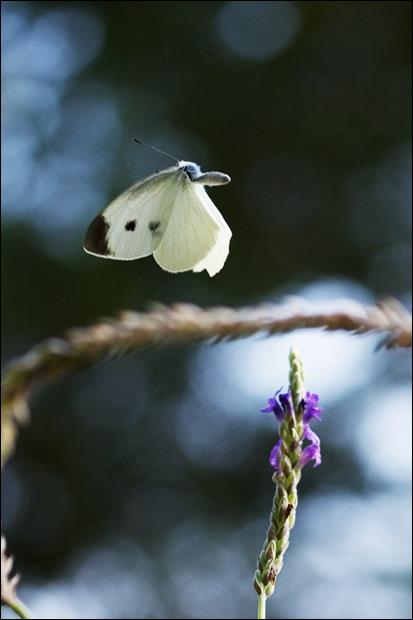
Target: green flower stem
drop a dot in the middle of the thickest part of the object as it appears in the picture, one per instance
(18, 608)
(262, 599)
(282, 517)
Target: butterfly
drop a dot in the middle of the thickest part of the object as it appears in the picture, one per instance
(167, 214)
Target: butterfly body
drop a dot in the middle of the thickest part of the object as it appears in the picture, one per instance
(168, 214)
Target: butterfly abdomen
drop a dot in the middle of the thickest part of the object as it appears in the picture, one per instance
(212, 178)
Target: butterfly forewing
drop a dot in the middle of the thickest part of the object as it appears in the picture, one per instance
(133, 224)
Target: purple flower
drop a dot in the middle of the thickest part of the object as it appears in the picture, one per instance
(279, 405)
(312, 452)
(311, 407)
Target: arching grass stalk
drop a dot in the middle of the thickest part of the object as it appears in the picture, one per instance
(297, 445)
(163, 325)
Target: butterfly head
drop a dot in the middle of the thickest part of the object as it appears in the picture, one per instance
(191, 169)
(194, 174)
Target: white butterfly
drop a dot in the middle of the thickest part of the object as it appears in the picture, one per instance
(168, 214)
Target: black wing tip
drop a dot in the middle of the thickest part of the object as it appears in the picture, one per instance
(96, 239)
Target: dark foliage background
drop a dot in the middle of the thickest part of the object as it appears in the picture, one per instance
(141, 489)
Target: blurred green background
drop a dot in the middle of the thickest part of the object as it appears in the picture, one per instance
(142, 487)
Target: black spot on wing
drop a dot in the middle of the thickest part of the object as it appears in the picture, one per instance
(130, 225)
(96, 239)
(153, 226)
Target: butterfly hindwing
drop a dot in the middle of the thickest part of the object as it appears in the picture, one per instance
(216, 258)
(191, 232)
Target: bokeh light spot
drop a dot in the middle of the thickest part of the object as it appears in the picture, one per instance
(258, 30)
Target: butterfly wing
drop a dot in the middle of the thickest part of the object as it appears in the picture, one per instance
(191, 232)
(133, 225)
(215, 259)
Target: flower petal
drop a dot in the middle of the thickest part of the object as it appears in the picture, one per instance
(275, 455)
(266, 409)
(311, 453)
(311, 407)
(275, 407)
(286, 402)
(311, 435)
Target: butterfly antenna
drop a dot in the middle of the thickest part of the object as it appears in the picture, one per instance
(155, 149)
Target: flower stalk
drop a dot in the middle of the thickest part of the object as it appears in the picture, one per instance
(19, 609)
(262, 599)
(293, 411)
(8, 584)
